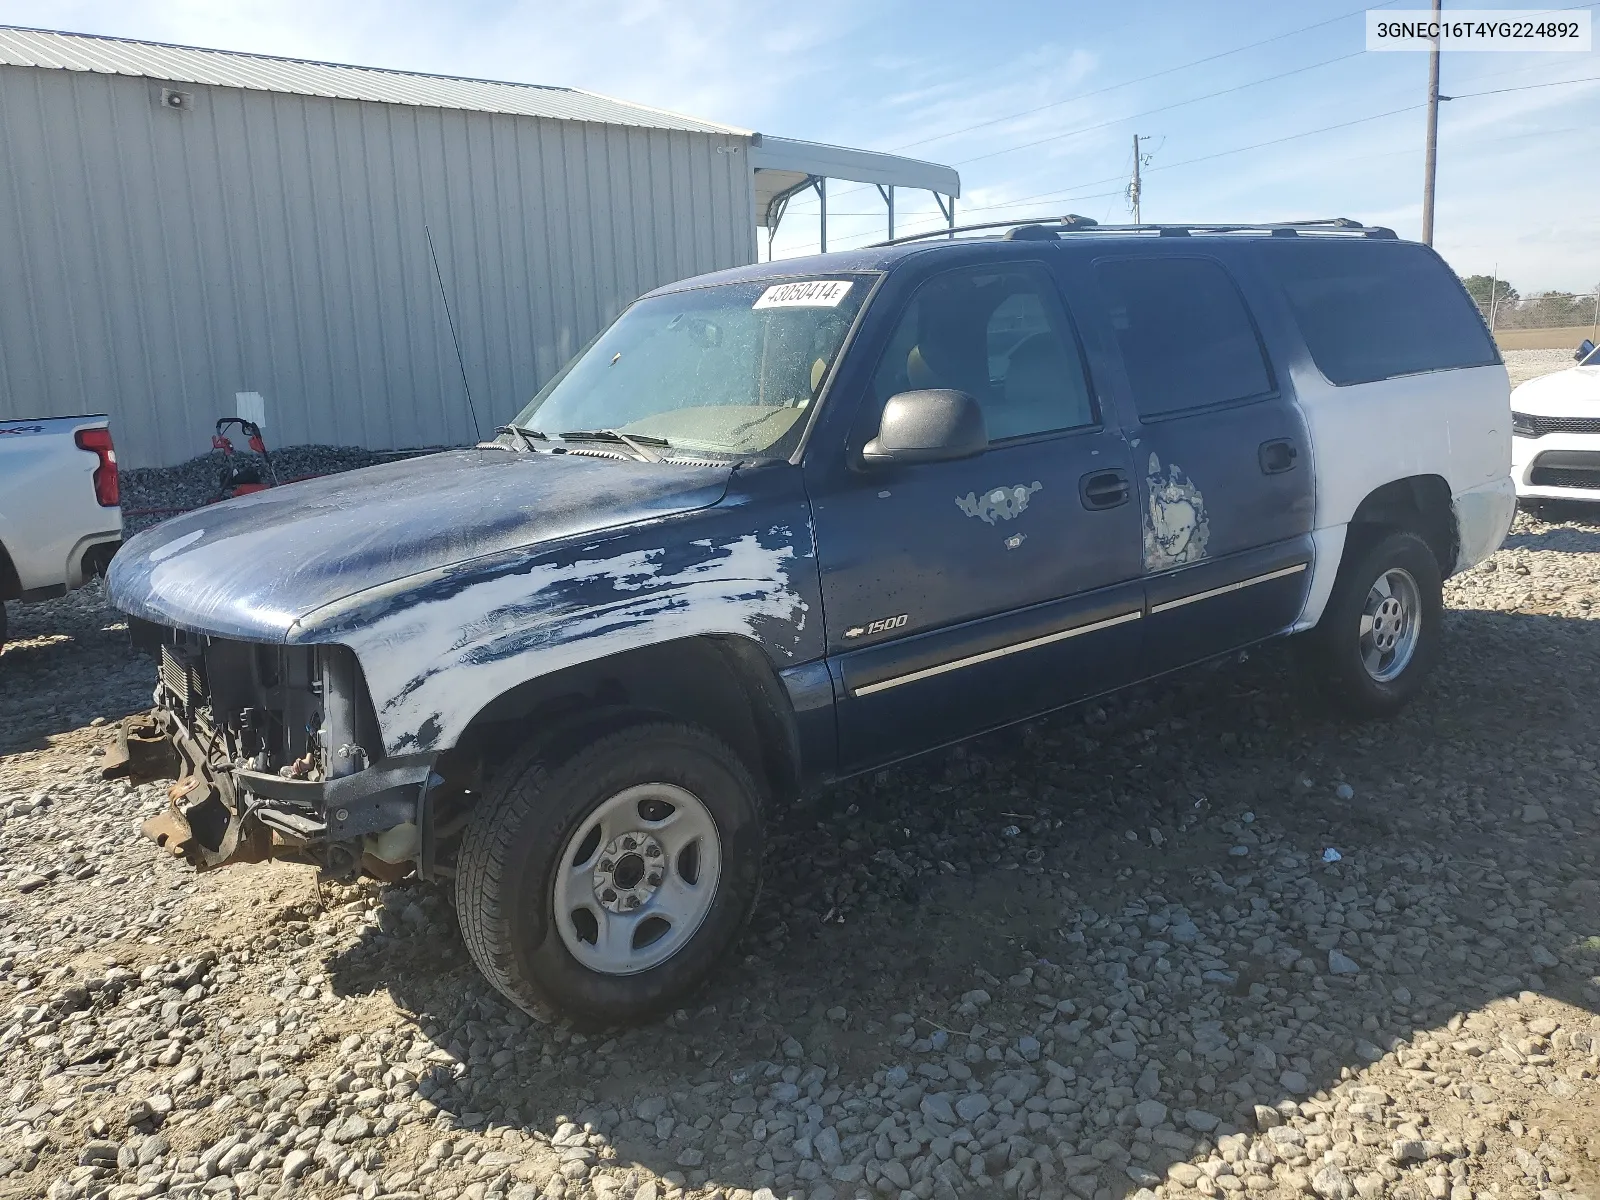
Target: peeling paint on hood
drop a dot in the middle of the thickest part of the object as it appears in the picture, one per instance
(254, 567)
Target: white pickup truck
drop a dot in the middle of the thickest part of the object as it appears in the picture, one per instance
(60, 520)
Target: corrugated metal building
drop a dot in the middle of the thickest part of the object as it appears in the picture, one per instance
(178, 226)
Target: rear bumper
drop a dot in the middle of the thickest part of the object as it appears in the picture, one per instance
(219, 813)
(1483, 518)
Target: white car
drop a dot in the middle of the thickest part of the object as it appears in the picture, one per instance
(1555, 420)
(60, 519)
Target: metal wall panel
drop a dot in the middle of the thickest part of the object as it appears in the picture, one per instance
(155, 262)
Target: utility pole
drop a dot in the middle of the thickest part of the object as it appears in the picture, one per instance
(1431, 155)
(1134, 187)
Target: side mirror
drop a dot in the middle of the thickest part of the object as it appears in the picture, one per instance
(1585, 349)
(932, 425)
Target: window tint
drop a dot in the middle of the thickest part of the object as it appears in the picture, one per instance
(999, 334)
(1373, 310)
(1186, 338)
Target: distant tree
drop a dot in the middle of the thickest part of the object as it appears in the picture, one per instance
(1546, 310)
(1478, 287)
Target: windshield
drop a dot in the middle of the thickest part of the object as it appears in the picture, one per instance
(725, 370)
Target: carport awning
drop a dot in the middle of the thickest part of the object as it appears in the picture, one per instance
(784, 166)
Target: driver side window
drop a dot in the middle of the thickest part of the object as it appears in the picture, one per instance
(1001, 335)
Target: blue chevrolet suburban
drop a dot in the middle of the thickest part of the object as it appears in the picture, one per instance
(791, 522)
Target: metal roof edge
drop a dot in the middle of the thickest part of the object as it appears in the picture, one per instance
(858, 166)
(305, 62)
(243, 60)
(716, 126)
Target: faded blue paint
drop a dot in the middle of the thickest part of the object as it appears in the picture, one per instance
(254, 568)
(473, 572)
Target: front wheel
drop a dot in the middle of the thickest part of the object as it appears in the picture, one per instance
(1379, 635)
(605, 882)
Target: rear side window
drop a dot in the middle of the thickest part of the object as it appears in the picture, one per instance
(1374, 310)
(1186, 338)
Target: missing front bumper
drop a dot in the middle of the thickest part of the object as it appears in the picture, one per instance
(218, 813)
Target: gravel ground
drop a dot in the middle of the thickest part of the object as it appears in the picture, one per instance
(1523, 365)
(1105, 955)
(151, 494)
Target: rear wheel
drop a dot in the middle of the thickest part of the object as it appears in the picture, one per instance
(1379, 635)
(604, 882)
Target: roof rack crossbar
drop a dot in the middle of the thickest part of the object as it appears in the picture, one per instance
(1073, 223)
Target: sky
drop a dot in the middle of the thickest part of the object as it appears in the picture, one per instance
(1252, 110)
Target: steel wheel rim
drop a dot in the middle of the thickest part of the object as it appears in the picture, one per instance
(1391, 622)
(637, 878)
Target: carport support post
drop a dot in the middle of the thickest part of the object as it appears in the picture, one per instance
(888, 198)
(822, 211)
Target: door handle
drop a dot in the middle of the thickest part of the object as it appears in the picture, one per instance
(1278, 457)
(1104, 489)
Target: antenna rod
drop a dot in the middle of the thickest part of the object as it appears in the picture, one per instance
(460, 361)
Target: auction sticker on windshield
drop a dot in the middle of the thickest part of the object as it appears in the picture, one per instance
(808, 293)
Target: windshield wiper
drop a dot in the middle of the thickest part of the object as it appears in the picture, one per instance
(523, 435)
(639, 443)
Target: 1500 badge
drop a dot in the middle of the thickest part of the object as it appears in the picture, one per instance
(881, 626)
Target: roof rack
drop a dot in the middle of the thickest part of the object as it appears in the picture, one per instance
(1052, 228)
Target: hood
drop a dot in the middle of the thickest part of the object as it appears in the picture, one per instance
(250, 568)
(1574, 392)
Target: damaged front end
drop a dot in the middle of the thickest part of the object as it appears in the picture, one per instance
(272, 748)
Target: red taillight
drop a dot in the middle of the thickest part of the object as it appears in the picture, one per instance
(98, 443)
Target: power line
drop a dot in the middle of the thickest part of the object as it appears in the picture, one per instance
(1527, 87)
(1259, 145)
(1150, 111)
(1111, 87)
(1178, 104)
(1191, 161)
(1055, 137)
(1129, 82)
(1061, 192)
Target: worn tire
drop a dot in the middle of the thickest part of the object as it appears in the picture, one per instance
(2, 626)
(506, 869)
(1332, 651)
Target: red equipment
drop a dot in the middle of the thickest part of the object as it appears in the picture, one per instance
(241, 477)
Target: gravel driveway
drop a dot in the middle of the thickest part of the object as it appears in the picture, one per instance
(1201, 939)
